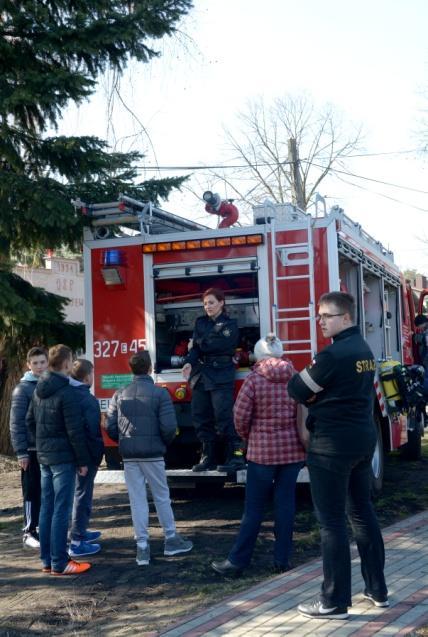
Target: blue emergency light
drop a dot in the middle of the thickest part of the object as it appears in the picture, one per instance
(113, 257)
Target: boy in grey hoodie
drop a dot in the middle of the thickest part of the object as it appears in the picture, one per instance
(24, 445)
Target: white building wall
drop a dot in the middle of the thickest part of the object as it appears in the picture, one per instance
(62, 277)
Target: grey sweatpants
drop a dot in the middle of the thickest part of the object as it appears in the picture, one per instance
(137, 472)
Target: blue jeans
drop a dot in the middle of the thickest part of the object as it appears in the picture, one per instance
(82, 504)
(57, 482)
(262, 479)
(340, 488)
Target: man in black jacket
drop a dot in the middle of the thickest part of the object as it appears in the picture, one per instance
(24, 444)
(337, 388)
(55, 418)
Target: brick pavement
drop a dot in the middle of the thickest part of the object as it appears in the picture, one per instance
(269, 608)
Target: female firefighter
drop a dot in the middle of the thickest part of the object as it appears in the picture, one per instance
(210, 369)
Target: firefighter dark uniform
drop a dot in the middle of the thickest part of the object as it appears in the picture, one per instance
(212, 382)
(337, 388)
(339, 384)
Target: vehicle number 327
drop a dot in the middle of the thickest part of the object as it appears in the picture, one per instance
(110, 349)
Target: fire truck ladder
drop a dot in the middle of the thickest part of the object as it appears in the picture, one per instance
(127, 211)
(290, 255)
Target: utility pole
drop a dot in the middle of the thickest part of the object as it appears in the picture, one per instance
(297, 196)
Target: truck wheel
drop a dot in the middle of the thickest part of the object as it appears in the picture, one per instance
(378, 459)
(412, 450)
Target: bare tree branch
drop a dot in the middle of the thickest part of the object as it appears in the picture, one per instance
(261, 143)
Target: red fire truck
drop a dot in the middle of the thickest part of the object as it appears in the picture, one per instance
(145, 271)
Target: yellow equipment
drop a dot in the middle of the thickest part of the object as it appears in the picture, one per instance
(389, 383)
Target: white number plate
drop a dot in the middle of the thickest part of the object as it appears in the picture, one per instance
(110, 349)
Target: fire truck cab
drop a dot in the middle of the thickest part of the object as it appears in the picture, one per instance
(146, 269)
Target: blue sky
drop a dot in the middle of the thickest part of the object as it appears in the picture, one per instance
(369, 59)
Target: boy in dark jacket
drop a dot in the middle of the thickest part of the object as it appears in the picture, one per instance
(82, 540)
(142, 417)
(55, 419)
(24, 444)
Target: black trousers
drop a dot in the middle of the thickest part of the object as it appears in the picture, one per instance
(340, 488)
(212, 413)
(31, 493)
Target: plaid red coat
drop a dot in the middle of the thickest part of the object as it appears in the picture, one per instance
(265, 415)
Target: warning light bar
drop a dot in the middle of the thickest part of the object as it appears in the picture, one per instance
(197, 244)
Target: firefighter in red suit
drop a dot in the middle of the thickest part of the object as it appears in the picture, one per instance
(225, 209)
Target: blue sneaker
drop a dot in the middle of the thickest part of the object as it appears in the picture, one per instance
(91, 536)
(83, 549)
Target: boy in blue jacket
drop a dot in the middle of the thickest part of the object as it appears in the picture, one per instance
(82, 540)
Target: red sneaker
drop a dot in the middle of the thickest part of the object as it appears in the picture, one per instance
(73, 568)
(46, 569)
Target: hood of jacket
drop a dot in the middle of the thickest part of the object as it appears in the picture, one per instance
(82, 389)
(50, 383)
(276, 370)
(30, 377)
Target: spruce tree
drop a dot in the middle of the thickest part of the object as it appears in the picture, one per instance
(52, 53)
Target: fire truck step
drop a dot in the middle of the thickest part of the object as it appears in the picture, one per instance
(107, 476)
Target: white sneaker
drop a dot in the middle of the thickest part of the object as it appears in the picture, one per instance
(30, 541)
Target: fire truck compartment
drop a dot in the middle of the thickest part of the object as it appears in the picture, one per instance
(178, 304)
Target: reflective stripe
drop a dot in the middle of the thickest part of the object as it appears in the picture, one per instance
(309, 381)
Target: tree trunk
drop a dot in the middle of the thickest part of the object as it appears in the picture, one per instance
(10, 373)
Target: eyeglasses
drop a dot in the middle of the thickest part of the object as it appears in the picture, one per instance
(326, 317)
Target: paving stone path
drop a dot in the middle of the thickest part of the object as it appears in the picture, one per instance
(269, 609)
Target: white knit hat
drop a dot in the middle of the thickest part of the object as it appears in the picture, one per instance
(268, 347)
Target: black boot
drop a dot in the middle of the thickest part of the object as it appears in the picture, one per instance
(234, 460)
(207, 460)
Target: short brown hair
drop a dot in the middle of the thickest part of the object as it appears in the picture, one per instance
(36, 351)
(140, 362)
(81, 369)
(219, 294)
(344, 302)
(57, 355)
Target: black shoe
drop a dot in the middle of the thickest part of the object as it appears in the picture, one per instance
(234, 461)
(236, 464)
(226, 568)
(207, 461)
(205, 464)
(316, 610)
(380, 601)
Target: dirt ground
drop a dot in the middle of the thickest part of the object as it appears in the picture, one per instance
(116, 597)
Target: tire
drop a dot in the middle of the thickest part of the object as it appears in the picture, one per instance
(412, 450)
(378, 460)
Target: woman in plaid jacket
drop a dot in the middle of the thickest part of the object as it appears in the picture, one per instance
(266, 417)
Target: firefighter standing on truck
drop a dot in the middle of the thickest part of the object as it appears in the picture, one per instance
(210, 369)
(337, 388)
